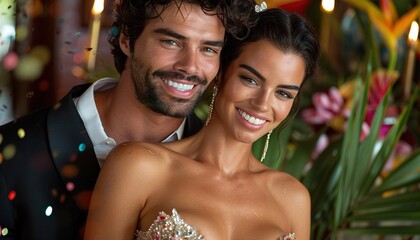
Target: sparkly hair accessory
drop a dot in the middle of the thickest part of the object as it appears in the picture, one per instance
(260, 8)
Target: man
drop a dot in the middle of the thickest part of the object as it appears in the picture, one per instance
(167, 52)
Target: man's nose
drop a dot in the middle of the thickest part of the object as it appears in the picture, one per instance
(187, 62)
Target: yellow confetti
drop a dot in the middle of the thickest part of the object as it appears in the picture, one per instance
(9, 151)
(21, 133)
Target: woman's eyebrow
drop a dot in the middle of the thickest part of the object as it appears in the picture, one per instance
(258, 74)
(253, 70)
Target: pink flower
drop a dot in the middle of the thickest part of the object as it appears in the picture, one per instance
(401, 151)
(326, 107)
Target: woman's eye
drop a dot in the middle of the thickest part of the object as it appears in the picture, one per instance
(249, 80)
(285, 94)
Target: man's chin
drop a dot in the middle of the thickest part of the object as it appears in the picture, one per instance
(174, 112)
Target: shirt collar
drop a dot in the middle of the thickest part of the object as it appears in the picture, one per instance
(177, 135)
(86, 107)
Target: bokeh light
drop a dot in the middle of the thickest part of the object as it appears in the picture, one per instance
(70, 186)
(4, 231)
(9, 151)
(82, 147)
(29, 68)
(12, 195)
(10, 61)
(21, 133)
(48, 211)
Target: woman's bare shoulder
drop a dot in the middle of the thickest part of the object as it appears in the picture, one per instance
(287, 188)
(138, 155)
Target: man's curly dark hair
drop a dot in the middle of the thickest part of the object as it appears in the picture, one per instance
(130, 17)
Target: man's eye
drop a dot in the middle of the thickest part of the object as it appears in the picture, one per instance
(169, 42)
(210, 50)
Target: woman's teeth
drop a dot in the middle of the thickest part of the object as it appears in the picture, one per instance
(251, 119)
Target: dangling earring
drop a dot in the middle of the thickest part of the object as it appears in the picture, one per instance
(211, 106)
(267, 141)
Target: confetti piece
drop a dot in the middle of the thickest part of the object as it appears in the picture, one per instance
(70, 171)
(12, 195)
(115, 31)
(21, 33)
(10, 61)
(9, 151)
(30, 94)
(62, 198)
(42, 53)
(29, 68)
(43, 85)
(4, 232)
(48, 211)
(78, 58)
(57, 106)
(21, 133)
(73, 157)
(70, 186)
(78, 71)
(82, 147)
(54, 192)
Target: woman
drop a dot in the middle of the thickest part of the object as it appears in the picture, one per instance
(210, 185)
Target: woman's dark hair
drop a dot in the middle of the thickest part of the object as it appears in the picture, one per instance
(130, 18)
(290, 33)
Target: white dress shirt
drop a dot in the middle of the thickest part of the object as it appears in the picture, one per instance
(85, 105)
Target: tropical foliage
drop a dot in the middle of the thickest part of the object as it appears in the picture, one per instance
(351, 145)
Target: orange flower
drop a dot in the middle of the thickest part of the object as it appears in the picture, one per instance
(386, 20)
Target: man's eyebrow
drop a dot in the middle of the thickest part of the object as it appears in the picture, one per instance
(215, 43)
(168, 32)
(256, 73)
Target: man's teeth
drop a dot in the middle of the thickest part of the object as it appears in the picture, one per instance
(251, 119)
(179, 86)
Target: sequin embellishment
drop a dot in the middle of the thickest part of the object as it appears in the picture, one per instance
(290, 236)
(167, 227)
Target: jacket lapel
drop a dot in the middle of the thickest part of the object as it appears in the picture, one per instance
(192, 125)
(72, 149)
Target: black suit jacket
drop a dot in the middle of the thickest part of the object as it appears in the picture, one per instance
(48, 169)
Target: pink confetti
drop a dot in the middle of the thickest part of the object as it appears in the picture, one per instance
(10, 61)
(70, 186)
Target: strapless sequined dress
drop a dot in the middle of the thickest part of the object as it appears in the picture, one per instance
(167, 227)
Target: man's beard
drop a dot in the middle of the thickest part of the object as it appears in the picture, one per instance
(148, 92)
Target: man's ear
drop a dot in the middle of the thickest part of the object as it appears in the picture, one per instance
(124, 44)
